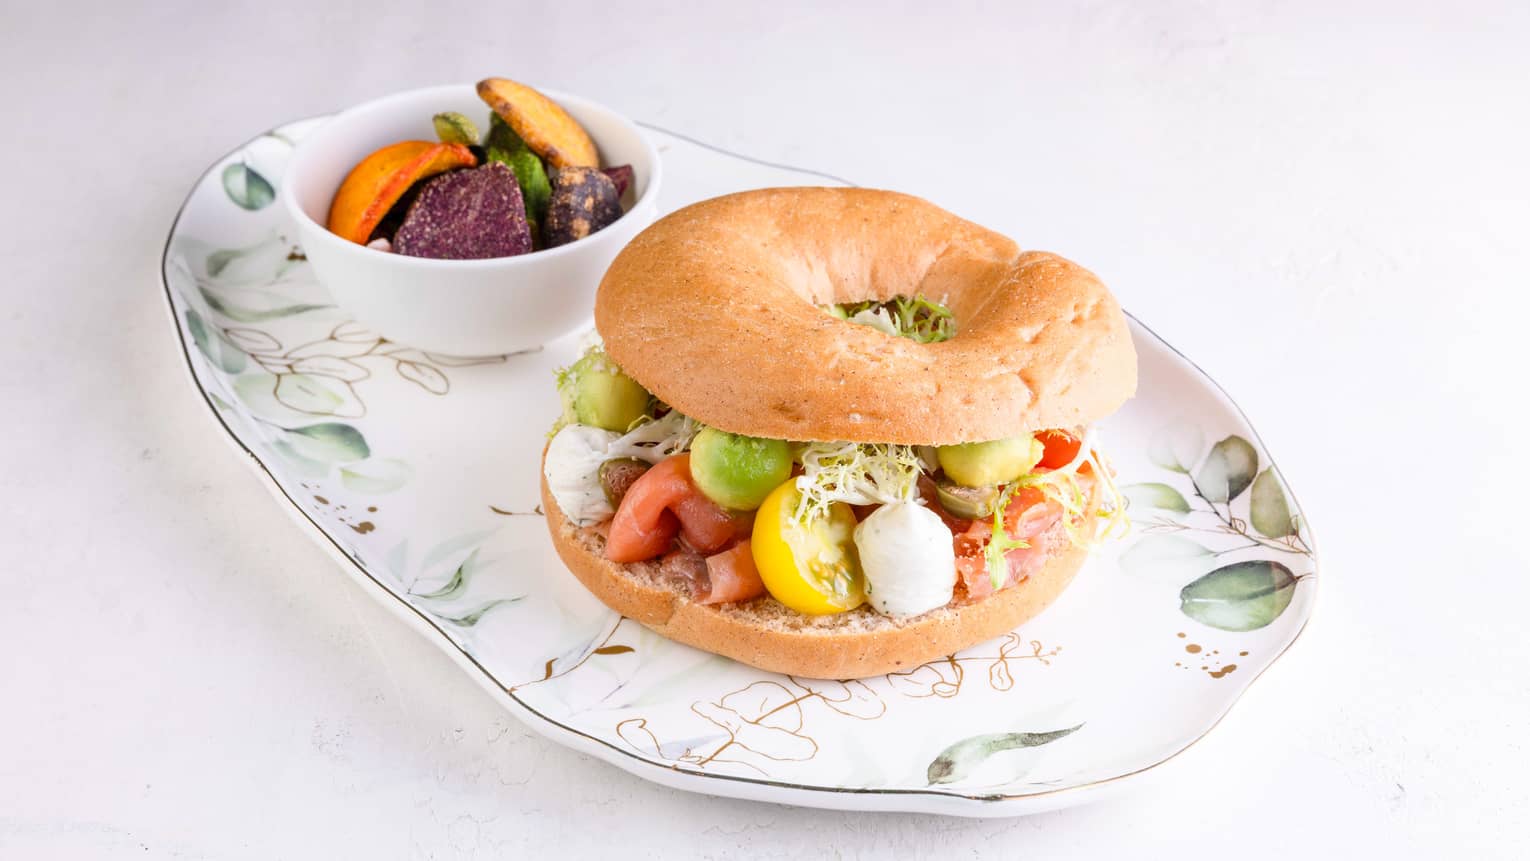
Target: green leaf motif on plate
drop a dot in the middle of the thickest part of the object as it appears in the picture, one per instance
(1157, 495)
(454, 587)
(244, 314)
(960, 759)
(258, 266)
(246, 187)
(1162, 554)
(220, 259)
(223, 353)
(1268, 509)
(1243, 596)
(305, 466)
(329, 442)
(1228, 471)
(376, 475)
(308, 394)
(1176, 447)
(470, 619)
(445, 550)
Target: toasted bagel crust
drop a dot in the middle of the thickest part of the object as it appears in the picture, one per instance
(715, 309)
(764, 634)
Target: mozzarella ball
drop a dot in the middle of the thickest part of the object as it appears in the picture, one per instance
(572, 469)
(908, 559)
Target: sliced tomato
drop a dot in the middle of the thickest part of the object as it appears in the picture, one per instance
(665, 501)
(1059, 448)
(732, 576)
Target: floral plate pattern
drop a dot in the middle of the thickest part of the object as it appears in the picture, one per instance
(419, 472)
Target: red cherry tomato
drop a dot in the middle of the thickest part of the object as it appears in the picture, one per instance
(1059, 448)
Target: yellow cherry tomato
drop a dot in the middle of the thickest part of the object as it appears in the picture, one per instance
(811, 568)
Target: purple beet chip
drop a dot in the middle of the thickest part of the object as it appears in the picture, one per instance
(467, 215)
(621, 175)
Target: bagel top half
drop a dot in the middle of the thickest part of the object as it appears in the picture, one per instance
(717, 309)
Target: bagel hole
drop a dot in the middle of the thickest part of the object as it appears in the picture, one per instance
(916, 315)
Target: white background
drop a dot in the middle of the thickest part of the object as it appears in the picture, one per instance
(1326, 205)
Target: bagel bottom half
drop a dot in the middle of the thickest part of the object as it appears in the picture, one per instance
(764, 634)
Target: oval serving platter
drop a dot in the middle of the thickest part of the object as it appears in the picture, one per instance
(419, 473)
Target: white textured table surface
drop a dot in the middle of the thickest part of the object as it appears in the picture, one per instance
(1326, 209)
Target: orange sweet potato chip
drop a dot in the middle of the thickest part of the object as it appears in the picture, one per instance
(374, 185)
(546, 128)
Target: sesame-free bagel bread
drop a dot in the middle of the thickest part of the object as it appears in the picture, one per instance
(765, 634)
(716, 310)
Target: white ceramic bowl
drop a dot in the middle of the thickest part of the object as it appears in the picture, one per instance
(460, 307)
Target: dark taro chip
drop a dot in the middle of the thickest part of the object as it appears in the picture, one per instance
(621, 175)
(466, 215)
(584, 200)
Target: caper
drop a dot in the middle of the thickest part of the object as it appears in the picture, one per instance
(971, 503)
(617, 477)
(595, 393)
(737, 471)
(980, 464)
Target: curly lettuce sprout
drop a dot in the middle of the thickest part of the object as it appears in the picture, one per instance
(1104, 502)
(918, 319)
(857, 474)
(1001, 542)
(653, 439)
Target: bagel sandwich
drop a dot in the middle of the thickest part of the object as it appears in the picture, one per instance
(836, 433)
